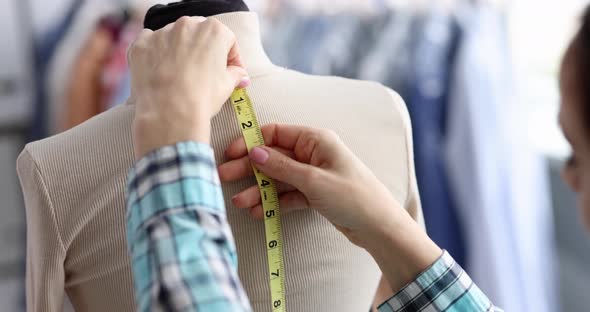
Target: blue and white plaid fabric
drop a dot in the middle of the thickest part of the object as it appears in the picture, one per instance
(442, 287)
(184, 256)
(183, 253)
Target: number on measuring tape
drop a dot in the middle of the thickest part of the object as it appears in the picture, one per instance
(253, 137)
(246, 125)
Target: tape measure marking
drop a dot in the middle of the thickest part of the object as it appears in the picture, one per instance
(252, 134)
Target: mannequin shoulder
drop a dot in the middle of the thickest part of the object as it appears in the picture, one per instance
(86, 146)
(369, 96)
(335, 85)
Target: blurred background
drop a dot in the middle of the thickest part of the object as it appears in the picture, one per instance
(479, 79)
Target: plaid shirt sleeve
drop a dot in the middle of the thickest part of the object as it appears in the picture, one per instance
(442, 287)
(183, 253)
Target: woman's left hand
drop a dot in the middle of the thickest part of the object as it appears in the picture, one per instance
(181, 75)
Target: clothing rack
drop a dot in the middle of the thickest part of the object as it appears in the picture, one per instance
(19, 128)
(15, 132)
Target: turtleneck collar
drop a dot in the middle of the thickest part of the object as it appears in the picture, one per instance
(246, 27)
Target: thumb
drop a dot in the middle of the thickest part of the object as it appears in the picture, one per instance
(238, 76)
(282, 168)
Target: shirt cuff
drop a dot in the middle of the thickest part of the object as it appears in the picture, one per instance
(154, 182)
(444, 286)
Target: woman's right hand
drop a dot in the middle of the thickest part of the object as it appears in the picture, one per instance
(317, 171)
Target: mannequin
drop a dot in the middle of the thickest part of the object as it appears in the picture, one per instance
(74, 183)
(161, 15)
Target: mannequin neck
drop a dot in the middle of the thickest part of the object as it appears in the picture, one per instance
(246, 27)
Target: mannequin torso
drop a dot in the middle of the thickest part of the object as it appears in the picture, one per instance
(74, 192)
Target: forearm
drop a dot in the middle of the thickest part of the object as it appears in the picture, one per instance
(383, 293)
(402, 250)
(422, 276)
(152, 131)
(178, 235)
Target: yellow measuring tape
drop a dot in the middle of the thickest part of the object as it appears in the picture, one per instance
(270, 199)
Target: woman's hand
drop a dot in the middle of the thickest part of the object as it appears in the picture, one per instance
(181, 76)
(318, 171)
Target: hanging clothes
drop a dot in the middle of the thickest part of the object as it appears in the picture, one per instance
(415, 57)
(276, 37)
(45, 48)
(116, 78)
(411, 53)
(84, 90)
(61, 65)
(366, 33)
(435, 35)
(498, 181)
(335, 53)
(388, 61)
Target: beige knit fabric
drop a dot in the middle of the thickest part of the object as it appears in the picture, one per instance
(74, 185)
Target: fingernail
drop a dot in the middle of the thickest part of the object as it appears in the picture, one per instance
(233, 199)
(259, 155)
(244, 82)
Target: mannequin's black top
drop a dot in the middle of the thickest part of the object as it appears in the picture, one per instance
(161, 15)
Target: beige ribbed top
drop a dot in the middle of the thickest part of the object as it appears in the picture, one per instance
(74, 185)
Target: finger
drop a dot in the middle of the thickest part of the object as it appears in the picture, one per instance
(288, 202)
(182, 22)
(163, 37)
(234, 57)
(235, 170)
(284, 169)
(242, 167)
(238, 76)
(238, 148)
(217, 37)
(235, 67)
(250, 197)
(184, 27)
(229, 45)
(281, 135)
(229, 41)
(138, 46)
